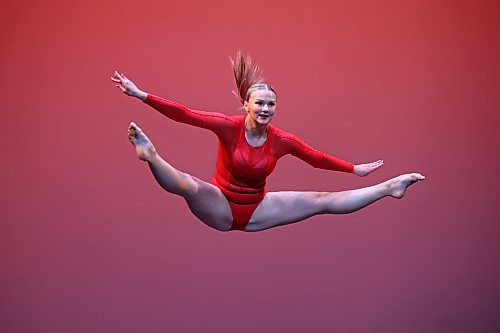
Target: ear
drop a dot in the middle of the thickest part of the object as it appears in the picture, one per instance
(245, 106)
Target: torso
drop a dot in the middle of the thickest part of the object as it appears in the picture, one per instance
(242, 168)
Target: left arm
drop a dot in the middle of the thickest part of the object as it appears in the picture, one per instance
(364, 169)
(318, 159)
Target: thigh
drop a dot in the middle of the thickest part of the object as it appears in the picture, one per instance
(209, 205)
(280, 208)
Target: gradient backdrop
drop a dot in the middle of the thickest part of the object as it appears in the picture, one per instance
(90, 243)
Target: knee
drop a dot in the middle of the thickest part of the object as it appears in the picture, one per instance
(189, 186)
(319, 196)
(323, 200)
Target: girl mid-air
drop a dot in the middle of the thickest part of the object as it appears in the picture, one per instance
(249, 147)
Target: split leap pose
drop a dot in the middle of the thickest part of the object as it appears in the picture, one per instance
(249, 147)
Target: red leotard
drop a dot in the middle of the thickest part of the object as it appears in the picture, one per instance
(242, 169)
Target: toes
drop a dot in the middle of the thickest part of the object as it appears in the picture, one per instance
(131, 134)
(419, 176)
(133, 127)
(415, 177)
(132, 130)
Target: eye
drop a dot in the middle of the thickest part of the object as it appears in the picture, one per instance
(258, 103)
(272, 104)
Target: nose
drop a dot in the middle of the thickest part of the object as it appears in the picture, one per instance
(265, 107)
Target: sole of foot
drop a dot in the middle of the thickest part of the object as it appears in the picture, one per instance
(143, 146)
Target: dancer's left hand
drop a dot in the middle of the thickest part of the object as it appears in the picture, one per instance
(364, 169)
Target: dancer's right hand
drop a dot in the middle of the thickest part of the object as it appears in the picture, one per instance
(128, 87)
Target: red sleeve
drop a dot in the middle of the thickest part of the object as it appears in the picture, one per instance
(316, 158)
(218, 123)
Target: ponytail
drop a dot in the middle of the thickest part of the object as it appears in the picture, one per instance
(248, 77)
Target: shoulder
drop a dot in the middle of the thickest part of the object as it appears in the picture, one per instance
(223, 117)
(239, 119)
(283, 136)
(285, 142)
(218, 120)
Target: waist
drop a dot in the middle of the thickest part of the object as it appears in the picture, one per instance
(240, 195)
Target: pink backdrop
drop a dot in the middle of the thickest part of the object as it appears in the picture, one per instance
(90, 243)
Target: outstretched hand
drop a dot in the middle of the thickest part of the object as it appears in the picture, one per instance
(127, 86)
(364, 169)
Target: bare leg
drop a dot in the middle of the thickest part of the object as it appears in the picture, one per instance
(205, 200)
(280, 208)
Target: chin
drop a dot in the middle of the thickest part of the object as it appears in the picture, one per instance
(264, 121)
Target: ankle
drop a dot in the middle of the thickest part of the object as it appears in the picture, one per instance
(385, 188)
(153, 156)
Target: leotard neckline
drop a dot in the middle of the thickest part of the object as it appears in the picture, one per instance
(243, 132)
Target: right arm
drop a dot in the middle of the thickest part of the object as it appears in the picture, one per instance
(128, 87)
(218, 123)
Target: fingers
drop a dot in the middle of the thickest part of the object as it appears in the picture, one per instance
(375, 165)
(118, 76)
(370, 167)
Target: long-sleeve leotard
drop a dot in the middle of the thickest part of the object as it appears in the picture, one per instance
(242, 169)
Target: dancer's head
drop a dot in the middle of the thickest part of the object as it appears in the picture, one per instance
(261, 106)
(258, 97)
(248, 78)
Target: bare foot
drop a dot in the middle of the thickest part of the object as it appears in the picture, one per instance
(143, 146)
(398, 185)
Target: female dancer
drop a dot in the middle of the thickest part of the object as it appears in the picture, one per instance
(249, 147)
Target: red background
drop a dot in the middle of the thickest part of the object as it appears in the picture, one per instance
(90, 243)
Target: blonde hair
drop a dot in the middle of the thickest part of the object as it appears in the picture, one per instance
(248, 77)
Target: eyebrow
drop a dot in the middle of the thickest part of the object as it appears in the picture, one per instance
(263, 100)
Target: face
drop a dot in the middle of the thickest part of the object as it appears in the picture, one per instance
(261, 106)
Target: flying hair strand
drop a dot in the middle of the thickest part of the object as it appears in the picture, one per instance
(245, 74)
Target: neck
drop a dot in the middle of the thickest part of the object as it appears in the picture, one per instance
(255, 129)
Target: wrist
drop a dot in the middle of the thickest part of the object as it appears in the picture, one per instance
(141, 95)
(356, 170)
